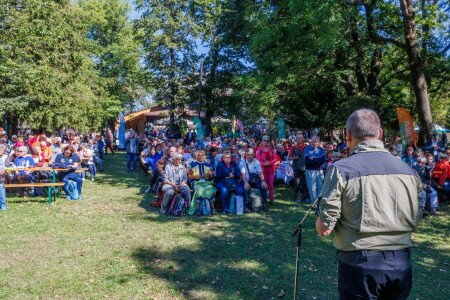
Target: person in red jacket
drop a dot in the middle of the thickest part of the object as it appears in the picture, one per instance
(268, 158)
(441, 171)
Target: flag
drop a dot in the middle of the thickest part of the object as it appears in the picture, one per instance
(199, 129)
(406, 123)
(281, 128)
(121, 131)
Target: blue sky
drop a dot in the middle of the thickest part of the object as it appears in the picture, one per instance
(133, 14)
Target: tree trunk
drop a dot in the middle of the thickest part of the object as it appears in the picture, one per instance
(211, 82)
(172, 89)
(356, 44)
(416, 65)
(207, 121)
(375, 69)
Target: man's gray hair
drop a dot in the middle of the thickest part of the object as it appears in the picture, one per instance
(364, 123)
(177, 155)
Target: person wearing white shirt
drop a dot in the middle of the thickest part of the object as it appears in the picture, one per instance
(253, 177)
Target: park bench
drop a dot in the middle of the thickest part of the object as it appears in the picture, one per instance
(52, 188)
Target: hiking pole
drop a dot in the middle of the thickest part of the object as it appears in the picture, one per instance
(298, 232)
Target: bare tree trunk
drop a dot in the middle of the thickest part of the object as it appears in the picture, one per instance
(208, 121)
(416, 64)
(172, 95)
(356, 44)
(211, 81)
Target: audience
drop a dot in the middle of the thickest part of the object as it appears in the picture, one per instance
(232, 165)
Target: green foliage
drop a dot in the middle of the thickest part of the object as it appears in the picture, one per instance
(167, 30)
(54, 74)
(115, 50)
(220, 24)
(316, 61)
(78, 63)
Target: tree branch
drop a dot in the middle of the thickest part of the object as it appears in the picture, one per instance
(447, 48)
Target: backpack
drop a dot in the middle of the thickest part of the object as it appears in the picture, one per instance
(205, 207)
(159, 196)
(232, 207)
(179, 206)
(255, 200)
(72, 190)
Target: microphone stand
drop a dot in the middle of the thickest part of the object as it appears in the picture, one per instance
(298, 232)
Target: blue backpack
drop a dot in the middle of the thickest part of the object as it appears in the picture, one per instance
(73, 191)
(205, 207)
(179, 206)
(232, 207)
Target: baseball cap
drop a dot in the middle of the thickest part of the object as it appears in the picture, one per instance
(265, 138)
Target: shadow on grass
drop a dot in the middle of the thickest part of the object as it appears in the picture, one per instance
(252, 256)
(18, 200)
(431, 257)
(240, 257)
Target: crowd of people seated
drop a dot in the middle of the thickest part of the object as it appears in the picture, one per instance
(227, 169)
(64, 151)
(235, 166)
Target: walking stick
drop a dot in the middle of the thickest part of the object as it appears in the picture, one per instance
(298, 232)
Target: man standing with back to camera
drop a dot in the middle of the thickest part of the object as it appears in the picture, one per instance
(371, 200)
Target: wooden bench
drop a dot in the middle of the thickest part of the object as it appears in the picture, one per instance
(52, 191)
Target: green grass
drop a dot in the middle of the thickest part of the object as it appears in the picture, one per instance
(113, 245)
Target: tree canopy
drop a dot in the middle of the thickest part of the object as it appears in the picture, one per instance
(66, 64)
(80, 63)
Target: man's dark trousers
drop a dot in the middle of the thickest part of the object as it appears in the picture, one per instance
(375, 274)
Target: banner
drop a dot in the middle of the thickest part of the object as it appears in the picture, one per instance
(199, 129)
(406, 123)
(121, 131)
(281, 128)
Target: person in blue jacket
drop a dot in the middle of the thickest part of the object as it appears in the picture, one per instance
(23, 161)
(228, 175)
(410, 157)
(435, 146)
(314, 159)
(70, 160)
(151, 161)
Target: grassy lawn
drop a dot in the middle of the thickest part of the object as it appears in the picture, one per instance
(113, 245)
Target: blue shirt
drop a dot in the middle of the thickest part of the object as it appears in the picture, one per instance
(151, 161)
(318, 157)
(66, 162)
(24, 162)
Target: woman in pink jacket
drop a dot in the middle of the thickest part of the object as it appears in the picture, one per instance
(268, 158)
